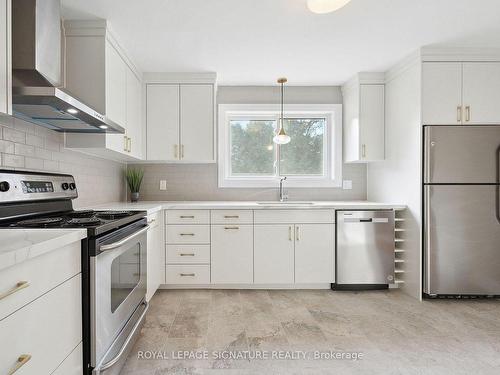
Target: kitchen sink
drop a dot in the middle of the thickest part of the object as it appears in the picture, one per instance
(286, 204)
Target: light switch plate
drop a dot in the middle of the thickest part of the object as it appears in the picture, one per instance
(163, 184)
(347, 185)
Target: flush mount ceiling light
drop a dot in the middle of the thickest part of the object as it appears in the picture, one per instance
(72, 111)
(325, 6)
(281, 138)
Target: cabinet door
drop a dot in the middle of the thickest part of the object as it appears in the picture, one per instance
(351, 124)
(162, 122)
(156, 254)
(481, 92)
(232, 254)
(116, 86)
(134, 114)
(274, 254)
(314, 253)
(371, 123)
(5, 56)
(197, 122)
(442, 93)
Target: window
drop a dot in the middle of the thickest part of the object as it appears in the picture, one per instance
(249, 158)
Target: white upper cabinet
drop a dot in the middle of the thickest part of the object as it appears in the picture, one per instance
(364, 118)
(100, 74)
(481, 93)
(163, 117)
(5, 56)
(180, 119)
(455, 93)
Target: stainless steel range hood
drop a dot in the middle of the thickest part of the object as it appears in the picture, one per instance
(38, 92)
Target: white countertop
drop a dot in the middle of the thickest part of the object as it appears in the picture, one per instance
(19, 245)
(153, 206)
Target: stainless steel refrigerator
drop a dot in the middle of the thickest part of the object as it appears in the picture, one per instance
(461, 206)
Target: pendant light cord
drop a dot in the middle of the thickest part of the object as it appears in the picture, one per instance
(282, 104)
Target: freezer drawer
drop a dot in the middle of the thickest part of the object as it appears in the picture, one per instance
(462, 240)
(462, 154)
(365, 248)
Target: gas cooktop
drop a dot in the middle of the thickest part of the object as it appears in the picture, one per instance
(96, 222)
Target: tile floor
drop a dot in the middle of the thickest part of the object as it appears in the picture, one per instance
(395, 333)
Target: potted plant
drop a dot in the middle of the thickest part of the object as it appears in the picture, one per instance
(134, 180)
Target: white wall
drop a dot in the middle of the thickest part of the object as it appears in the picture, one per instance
(398, 178)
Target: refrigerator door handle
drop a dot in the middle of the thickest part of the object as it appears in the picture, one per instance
(427, 219)
(427, 154)
(497, 198)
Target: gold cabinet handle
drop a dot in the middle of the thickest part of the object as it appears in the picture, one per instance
(176, 151)
(187, 274)
(459, 113)
(187, 217)
(467, 113)
(289, 233)
(187, 254)
(125, 143)
(231, 228)
(19, 286)
(363, 151)
(129, 145)
(182, 151)
(231, 217)
(297, 233)
(21, 361)
(187, 234)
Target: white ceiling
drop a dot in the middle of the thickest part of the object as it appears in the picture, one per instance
(252, 42)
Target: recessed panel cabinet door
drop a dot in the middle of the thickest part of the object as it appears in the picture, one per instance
(197, 122)
(162, 122)
(232, 254)
(442, 93)
(134, 114)
(116, 86)
(314, 253)
(274, 254)
(4, 55)
(481, 93)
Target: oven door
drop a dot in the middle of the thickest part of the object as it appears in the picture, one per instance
(118, 290)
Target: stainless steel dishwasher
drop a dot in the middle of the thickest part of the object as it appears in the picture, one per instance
(365, 250)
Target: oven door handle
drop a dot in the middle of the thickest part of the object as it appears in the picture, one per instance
(112, 362)
(114, 245)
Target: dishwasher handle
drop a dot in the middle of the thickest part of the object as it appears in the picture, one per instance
(366, 220)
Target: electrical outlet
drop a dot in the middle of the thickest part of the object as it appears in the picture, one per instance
(347, 185)
(163, 184)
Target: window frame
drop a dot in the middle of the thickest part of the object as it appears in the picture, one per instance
(332, 148)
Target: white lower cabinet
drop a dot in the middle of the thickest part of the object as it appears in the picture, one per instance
(314, 253)
(274, 254)
(156, 254)
(232, 254)
(188, 274)
(72, 365)
(44, 332)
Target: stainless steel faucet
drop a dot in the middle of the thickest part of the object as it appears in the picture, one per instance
(283, 196)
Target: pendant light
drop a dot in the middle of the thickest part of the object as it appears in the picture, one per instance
(282, 138)
(325, 6)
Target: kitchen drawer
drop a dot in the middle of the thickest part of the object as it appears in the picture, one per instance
(39, 275)
(296, 216)
(188, 274)
(232, 217)
(187, 217)
(48, 329)
(72, 365)
(182, 254)
(193, 234)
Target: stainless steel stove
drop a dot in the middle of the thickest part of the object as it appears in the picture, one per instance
(114, 255)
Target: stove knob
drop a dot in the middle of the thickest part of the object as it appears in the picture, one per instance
(4, 186)
(65, 186)
(72, 186)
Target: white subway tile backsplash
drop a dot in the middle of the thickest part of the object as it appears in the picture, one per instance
(33, 163)
(34, 140)
(43, 153)
(7, 147)
(13, 161)
(14, 135)
(24, 150)
(51, 165)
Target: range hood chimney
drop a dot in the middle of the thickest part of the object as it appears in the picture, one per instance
(37, 85)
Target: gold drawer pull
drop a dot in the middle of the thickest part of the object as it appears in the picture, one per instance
(187, 217)
(21, 361)
(187, 274)
(19, 286)
(231, 217)
(231, 228)
(186, 234)
(187, 254)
